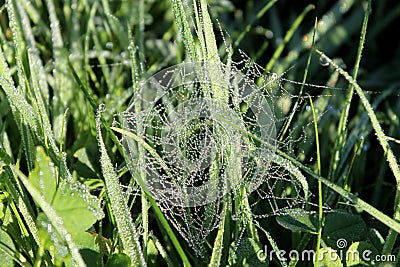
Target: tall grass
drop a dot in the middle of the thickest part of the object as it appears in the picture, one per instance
(67, 68)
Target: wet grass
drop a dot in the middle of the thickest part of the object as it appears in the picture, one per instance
(68, 67)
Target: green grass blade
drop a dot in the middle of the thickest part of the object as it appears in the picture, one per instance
(136, 74)
(9, 256)
(152, 201)
(126, 227)
(320, 203)
(374, 120)
(170, 232)
(340, 141)
(184, 29)
(252, 22)
(23, 204)
(39, 83)
(199, 30)
(161, 249)
(145, 145)
(93, 104)
(17, 101)
(35, 112)
(63, 88)
(290, 163)
(273, 244)
(217, 251)
(328, 30)
(297, 103)
(19, 43)
(211, 44)
(288, 37)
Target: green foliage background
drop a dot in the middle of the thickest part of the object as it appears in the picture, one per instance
(60, 60)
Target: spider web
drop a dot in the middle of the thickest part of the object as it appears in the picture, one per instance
(205, 136)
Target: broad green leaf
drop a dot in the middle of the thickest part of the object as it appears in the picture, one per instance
(5, 243)
(72, 202)
(340, 225)
(297, 220)
(119, 260)
(51, 240)
(328, 257)
(83, 165)
(152, 252)
(88, 248)
(44, 176)
(360, 254)
(246, 253)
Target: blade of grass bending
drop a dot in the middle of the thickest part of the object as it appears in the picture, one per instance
(288, 37)
(127, 230)
(320, 203)
(143, 143)
(283, 158)
(55, 220)
(363, 129)
(377, 128)
(169, 231)
(375, 123)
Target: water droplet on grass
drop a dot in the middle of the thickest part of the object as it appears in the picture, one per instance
(343, 7)
(269, 34)
(109, 45)
(323, 62)
(366, 147)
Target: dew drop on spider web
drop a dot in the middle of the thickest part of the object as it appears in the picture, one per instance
(202, 142)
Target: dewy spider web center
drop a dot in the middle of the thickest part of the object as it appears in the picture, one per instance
(196, 118)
